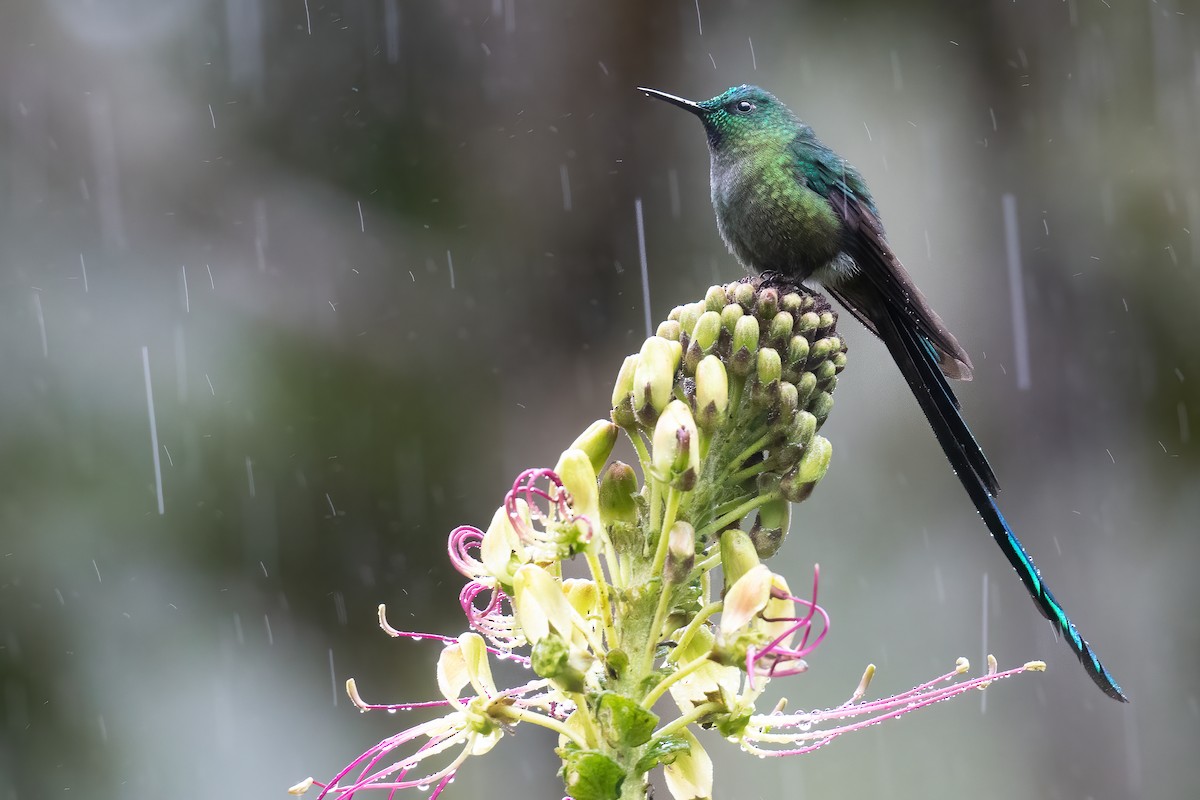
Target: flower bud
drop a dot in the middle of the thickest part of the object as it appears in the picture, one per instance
(771, 527)
(820, 406)
(803, 428)
(618, 494)
(798, 352)
(703, 339)
(789, 402)
(797, 485)
(738, 555)
(791, 303)
(807, 326)
(715, 298)
(652, 379)
(730, 314)
(676, 456)
(815, 461)
(823, 348)
(688, 317)
(745, 345)
(598, 442)
(743, 295)
(712, 393)
(824, 373)
(624, 383)
(768, 302)
(681, 552)
(669, 329)
(825, 322)
(806, 385)
(769, 367)
(551, 659)
(781, 328)
(839, 360)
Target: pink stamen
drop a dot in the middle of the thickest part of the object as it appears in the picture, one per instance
(463, 540)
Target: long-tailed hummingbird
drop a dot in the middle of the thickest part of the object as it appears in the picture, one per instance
(789, 206)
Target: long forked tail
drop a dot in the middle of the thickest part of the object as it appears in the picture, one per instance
(918, 363)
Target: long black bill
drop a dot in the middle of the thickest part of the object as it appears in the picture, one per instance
(686, 105)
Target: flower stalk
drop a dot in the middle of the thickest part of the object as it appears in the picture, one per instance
(723, 407)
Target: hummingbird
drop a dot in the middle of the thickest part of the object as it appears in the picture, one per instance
(789, 207)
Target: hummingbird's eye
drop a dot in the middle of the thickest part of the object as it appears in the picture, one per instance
(744, 107)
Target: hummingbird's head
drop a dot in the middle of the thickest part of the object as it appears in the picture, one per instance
(742, 117)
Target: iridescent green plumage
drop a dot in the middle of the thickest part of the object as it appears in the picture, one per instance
(788, 205)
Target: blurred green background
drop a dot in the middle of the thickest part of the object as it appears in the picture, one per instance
(383, 255)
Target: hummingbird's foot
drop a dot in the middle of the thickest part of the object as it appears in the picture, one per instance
(771, 279)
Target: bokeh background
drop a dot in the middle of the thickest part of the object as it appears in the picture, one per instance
(382, 255)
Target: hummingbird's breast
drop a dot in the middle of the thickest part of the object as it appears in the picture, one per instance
(769, 218)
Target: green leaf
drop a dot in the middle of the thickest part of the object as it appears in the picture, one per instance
(624, 722)
(663, 750)
(589, 775)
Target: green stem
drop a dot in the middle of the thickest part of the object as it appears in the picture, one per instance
(660, 554)
(660, 615)
(749, 472)
(737, 514)
(517, 714)
(697, 621)
(610, 632)
(699, 712)
(666, 683)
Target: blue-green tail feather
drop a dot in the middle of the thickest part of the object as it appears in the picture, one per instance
(917, 360)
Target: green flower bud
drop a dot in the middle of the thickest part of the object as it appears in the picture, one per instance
(743, 295)
(789, 402)
(805, 386)
(781, 328)
(653, 378)
(798, 351)
(712, 393)
(618, 494)
(675, 313)
(730, 314)
(745, 345)
(669, 329)
(815, 461)
(681, 553)
(824, 373)
(807, 326)
(676, 455)
(769, 368)
(703, 339)
(825, 325)
(799, 484)
(839, 360)
(551, 659)
(738, 555)
(804, 427)
(791, 303)
(820, 406)
(715, 298)
(771, 527)
(823, 348)
(598, 442)
(768, 302)
(624, 383)
(688, 317)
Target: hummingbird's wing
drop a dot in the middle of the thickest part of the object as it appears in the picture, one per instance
(843, 187)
